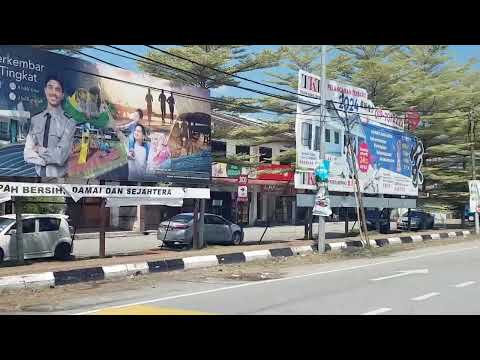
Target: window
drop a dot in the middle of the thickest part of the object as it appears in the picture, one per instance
(219, 147)
(213, 220)
(265, 155)
(336, 137)
(4, 223)
(28, 226)
(306, 134)
(49, 224)
(218, 220)
(317, 138)
(327, 135)
(242, 149)
(182, 218)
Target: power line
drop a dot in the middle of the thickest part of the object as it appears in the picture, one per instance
(275, 112)
(225, 72)
(213, 100)
(195, 75)
(270, 86)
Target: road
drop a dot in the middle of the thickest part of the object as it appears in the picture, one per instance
(433, 280)
(126, 244)
(89, 247)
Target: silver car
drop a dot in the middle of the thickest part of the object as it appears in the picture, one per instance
(178, 231)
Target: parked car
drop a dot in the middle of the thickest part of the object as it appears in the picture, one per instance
(383, 216)
(43, 236)
(419, 220)
(216, 230)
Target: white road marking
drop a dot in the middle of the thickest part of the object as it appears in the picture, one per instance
(256, 283)
(402, 273)
(426, 296)
(467, 283)
(378, 311)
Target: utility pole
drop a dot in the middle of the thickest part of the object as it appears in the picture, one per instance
(322, 186)
(101, 248)
(19, 229)
(202, 241)
(472, 151)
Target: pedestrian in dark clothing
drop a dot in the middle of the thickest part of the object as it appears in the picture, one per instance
(171, 105)
(163, 99)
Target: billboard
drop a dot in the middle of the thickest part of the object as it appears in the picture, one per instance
(65, 117)
(388, 160)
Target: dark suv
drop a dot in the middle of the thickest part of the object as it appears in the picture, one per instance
(419, 220)
(374, 216)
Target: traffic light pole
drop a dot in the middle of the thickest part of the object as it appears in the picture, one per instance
(322, 186)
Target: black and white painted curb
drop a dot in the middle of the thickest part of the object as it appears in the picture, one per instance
(56, 278)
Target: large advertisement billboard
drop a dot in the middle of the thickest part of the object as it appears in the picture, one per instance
(64, 117)
(388, 159)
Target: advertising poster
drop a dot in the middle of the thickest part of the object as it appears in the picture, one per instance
(388, 160)
(65, 117)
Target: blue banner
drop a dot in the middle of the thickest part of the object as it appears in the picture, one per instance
(389, 149)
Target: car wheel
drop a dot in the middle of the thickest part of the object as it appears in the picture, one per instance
(1, 255)
(62, 251)
(236, 238)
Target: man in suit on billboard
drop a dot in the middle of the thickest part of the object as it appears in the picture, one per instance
(49, 140)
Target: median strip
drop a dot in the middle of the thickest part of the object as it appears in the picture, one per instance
(56, 278)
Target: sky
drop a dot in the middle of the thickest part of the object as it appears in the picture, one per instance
(460, 53)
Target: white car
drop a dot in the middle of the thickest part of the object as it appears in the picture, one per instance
(43, 236)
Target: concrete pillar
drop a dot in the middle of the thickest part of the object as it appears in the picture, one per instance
(137, 223)
(252, 214)
(264, 206)
(114, 217)
(284, 209)
(271, 207)
(294, 212)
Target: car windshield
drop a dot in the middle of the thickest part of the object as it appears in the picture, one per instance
(4, 223)
(414, 214)
(182, 218)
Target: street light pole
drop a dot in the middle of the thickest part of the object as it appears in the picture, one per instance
(322, 186)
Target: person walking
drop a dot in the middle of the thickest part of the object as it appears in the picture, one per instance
(163, 99)
(149, 100)
(171, 105)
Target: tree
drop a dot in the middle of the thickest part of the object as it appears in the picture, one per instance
(233, 59)
(43, 205)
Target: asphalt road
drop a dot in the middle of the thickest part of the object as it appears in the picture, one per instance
(125, 244)
(434, 280)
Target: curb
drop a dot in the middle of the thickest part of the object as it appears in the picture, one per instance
(56, 278)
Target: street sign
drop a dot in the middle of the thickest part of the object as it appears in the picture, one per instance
(242, 193)
(243, 180)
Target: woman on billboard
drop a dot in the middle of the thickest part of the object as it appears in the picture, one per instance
(138, 150)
